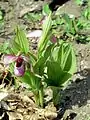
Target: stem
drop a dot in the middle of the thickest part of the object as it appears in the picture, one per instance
(33, 56)
(39, 97)
(36, 98)
(56, 95)
(75, 27)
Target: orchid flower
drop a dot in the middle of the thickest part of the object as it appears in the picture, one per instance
(19, 67)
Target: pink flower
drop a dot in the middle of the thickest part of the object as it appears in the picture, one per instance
(19, 67)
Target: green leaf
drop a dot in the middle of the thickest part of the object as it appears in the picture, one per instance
(70, 23)
(33, 17)
(61, 55)
(56, 76)
(40, 64)
(58, 53)
(53, 73)
(68, 20)
(45, 35)
(1, 15)
(32, 80)
(36, 86)
(79, 2)
(66, 56)
(22, 41)
(33, 58)
(60, 65)
(14, 47)
(69, 60)
(46, 10)
(4, 47)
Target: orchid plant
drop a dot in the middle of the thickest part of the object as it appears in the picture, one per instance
(53, 64)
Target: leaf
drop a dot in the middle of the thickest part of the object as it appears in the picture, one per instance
(14, 47)
(71, 27)
(45, 35)
(79, 2)
(46, 10)
(70, 60)
(4, 47)
(61, 55)
(60, 65)
(35, 84)
(40, 64)
(53, 73)
(21, 40)
(32, 80)
(68, 20)
(66, 57)
(58, 53)
(19, 43)
(33, 58)
(33, 17)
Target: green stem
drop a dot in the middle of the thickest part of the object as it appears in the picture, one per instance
(36, 98)
(33, 56)
(56, 95)
(39, 97)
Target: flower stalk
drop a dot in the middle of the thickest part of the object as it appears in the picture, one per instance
(38, 95)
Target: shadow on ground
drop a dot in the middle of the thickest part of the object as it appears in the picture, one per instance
(56, 3)
(76, 94)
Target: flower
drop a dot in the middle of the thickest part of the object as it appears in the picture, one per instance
(19, 67)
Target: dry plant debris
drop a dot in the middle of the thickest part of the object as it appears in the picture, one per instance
(19, 105)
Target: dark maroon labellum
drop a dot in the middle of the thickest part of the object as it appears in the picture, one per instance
(19, 62)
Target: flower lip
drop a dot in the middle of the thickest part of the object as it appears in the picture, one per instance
(19, 71)
(19, 61)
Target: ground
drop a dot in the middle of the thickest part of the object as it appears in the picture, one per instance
(75, 102)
